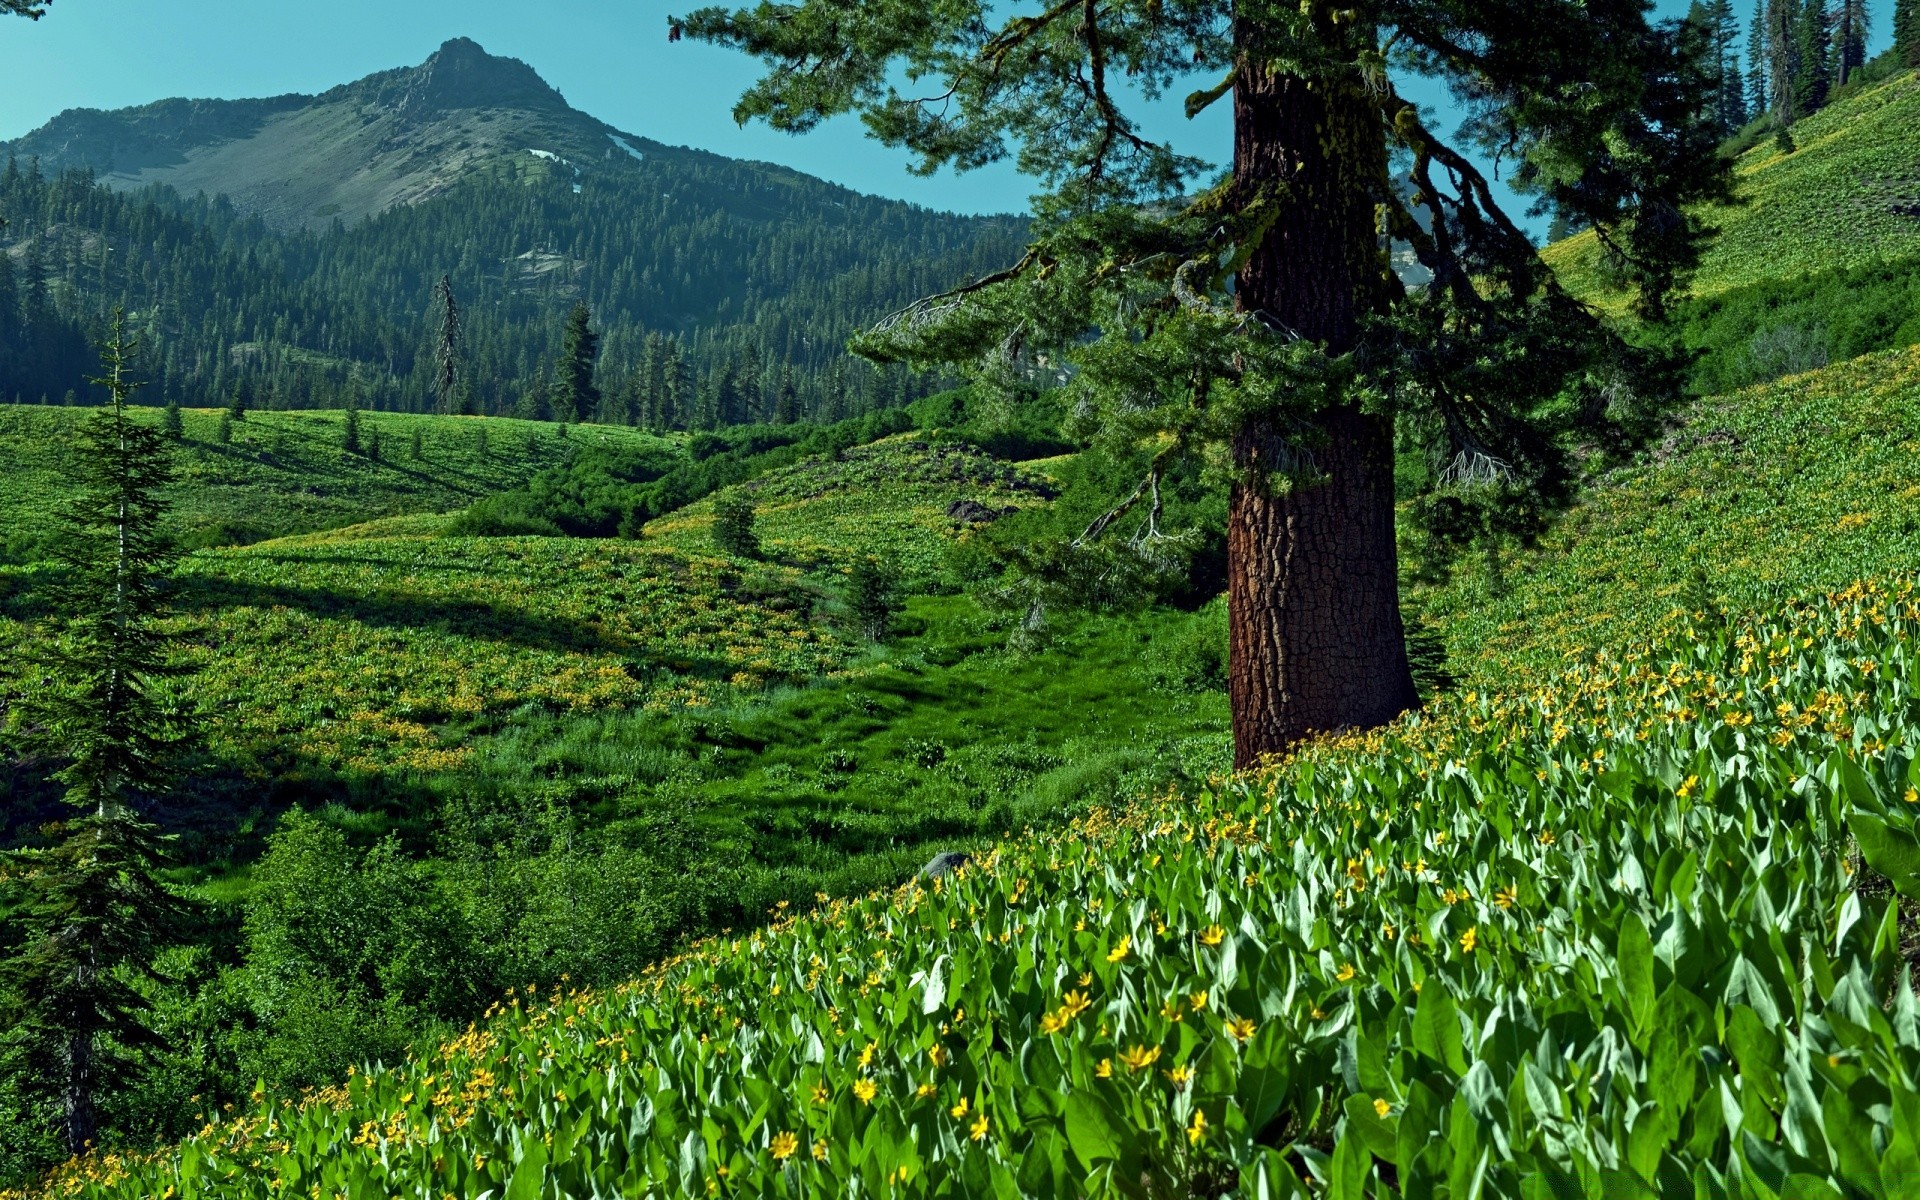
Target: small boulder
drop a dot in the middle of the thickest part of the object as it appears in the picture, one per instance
(944, 864)
(971, 512)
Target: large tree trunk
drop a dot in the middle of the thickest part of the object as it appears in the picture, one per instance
(1313, 594)
(77, 1093)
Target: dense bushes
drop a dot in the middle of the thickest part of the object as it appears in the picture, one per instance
(1784, 327)
(602, 492)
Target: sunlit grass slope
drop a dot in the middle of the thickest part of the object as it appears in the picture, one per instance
(1802, 484)
(1849, 194)
(383, 647)
(1597, 937)
(288, 472)
(889, 499)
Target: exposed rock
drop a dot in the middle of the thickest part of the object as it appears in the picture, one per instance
(972, 512)
(945, 864)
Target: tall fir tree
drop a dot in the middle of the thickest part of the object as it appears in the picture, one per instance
(1730, 93)
(1851, 22)
(1759, 93)
(1906, 32)
(1255, 323)
(1812, 57)
(89, 909)
(786, 399)
(446, 349)
(575, 397)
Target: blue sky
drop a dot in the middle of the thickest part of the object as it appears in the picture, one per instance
(609, 58)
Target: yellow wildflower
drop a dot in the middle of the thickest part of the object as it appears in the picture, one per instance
(1240, 1028)
(1470, 939)
(1212, 935)
(1197, 1130)
(1139, 1058)
(1345, 973)
(865, 1090)
(961, 1109)
(978, 1130)
(1382, 1108)
(783, 1145)
(1119, 952)
(1103, 1069)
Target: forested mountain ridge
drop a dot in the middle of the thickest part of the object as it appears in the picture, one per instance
(294, 242)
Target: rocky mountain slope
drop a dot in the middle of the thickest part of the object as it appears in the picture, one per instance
(397, 137)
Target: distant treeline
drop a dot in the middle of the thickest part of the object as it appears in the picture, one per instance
(719, 299)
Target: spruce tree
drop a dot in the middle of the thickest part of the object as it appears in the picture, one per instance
(575, 398)
(89, 909)
(1255, 324)
(237, 404)
(733, 521)
(1906, 32)
(172, 426)
(446, 348)
(1851, 22)
(872, 598)
(350, 429)
(786, 400)
(223, 432)
(1812, 57)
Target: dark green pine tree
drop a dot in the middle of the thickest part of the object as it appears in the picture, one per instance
(1851, 22)
(237, 404)
(446, 349)
(1906, 32)
(575, 398)
(172, 426)
(872, 597)
(350, 440)
(786, 400)
(31, 9)
(1759, 89)
(733, 525)
(1812, 57)
(1255, 323)
(89, 910)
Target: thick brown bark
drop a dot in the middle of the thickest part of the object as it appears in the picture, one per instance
(1313, 594)
(77, 1094)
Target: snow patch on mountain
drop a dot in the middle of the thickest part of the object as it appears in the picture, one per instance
(628, 147)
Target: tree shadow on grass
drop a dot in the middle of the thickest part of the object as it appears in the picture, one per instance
(205, 595)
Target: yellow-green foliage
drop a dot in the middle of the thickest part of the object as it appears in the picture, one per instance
(1788, 487)
(349, 654)
(1829, 204)
(287, 472)
(1597, 937)
(889, 499)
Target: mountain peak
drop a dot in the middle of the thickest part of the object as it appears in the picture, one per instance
(461, 74)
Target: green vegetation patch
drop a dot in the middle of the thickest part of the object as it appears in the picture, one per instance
(288, 472)
(1849, 195)
(903, 499)
(1598, 938)
(1794, 486)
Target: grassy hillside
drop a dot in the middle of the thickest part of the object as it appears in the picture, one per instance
(287, 472)
(889, 499)
(1801, 484)
(1595, 938)
(1849, 195)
